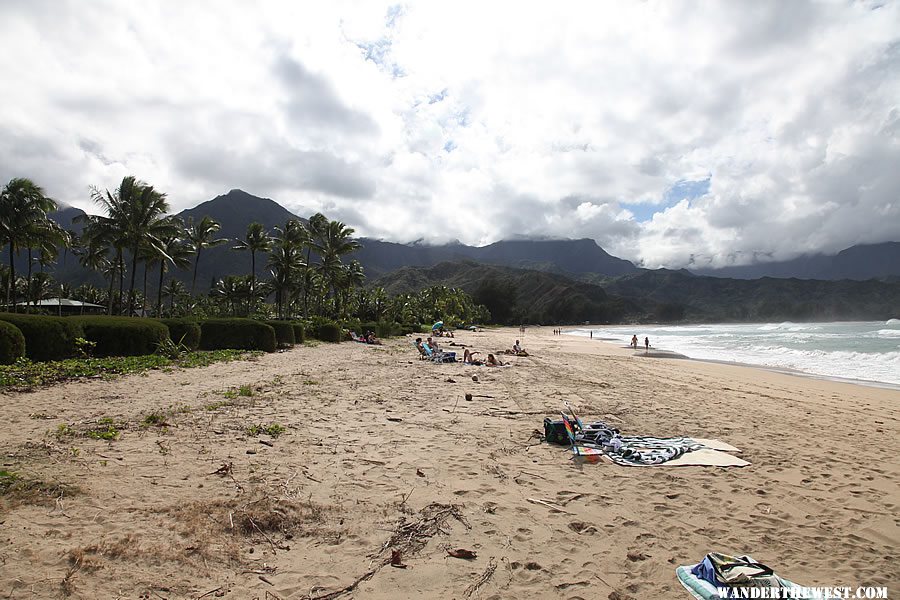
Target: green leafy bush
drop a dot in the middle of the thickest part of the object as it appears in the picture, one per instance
(329, 332)
(123, 336)
(184, 331)
(46, 338)
(284, 332)
(386, 329)
(242, 334)
(299, 332)
(12, 343)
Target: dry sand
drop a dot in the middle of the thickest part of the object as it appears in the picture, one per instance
(382, 452)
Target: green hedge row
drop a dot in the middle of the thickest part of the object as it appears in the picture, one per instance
(46, 338)
(43, 338)
(183, 331)
(284, 332)
(12, 343)
(241, 334)
(329, 332)
(122, 336)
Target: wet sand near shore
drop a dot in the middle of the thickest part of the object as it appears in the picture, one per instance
(382, 453)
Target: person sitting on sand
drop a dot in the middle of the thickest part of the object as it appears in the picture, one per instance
(421, 348)
(493, 362)
(371, 339)
(469, 358)
(517, 347)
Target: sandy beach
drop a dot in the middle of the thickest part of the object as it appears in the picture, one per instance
(382, 454)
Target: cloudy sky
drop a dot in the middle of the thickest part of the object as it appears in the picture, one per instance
(704, 133)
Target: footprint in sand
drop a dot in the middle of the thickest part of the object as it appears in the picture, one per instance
(582, 528)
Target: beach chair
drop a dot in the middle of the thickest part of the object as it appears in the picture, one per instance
(439, 357)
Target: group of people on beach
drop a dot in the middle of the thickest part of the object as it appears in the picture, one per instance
(557, 332)
(634, 342)
(429, 348)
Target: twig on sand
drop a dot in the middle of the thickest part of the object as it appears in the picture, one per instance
(408, 539)
(485, 577)
(549, 505)
(218, 589)
(348, 588)
(262, 533)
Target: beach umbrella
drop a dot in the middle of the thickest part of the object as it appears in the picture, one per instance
(437, 325)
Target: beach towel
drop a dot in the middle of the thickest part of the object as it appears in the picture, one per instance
(703, 590)
(600, 440)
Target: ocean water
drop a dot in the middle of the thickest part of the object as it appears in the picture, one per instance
(864, 352)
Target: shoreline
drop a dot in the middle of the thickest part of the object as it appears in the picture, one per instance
(671, 354)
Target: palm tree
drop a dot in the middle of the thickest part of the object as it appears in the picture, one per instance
(256, 240)
(331, 243)
(285, 263)
(173, 250)
(137, 210)
(200, 235)
(92, 255)
(22, 204)
(173, 289)
(313, 231)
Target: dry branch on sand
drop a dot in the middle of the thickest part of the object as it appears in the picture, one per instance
(409, 538)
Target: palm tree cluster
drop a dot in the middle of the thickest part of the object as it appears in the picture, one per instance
(25, 224)
(308, 275)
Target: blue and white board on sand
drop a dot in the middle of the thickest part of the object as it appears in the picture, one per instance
(703, 590)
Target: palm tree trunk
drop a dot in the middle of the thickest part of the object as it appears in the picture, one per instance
(252, 298)
(11, 284)
(109, 297)
(196, 264)
(162, 271)
(121, 258)
(28, 284)
(134, 259)
(306, 285)
(172, 303)
(144, 298)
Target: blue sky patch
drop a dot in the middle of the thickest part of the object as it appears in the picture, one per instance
(684, 189)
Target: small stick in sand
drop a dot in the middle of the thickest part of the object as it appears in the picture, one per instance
(485, 577)
(549, 505)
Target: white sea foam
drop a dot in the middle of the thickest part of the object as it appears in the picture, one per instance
(865, 351)
(892, 322)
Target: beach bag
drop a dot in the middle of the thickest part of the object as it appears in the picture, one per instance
(555, 432)
(723, 570)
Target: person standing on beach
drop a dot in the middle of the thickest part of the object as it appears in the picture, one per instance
(647, 343)
(634, 341)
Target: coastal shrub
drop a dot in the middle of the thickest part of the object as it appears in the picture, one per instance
(284, 332)
(46, 338)
(123, 336)
(329, 332)
(385, 329)
(239, 334)
(299, 332)
(12, 343)
(184, 331)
